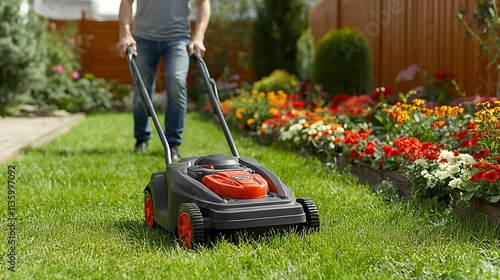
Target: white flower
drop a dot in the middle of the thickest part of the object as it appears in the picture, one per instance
(442, 174)
(445, 154)
(453, 169)
(466, 158)
(421, 162)
(331, 146)
(455, 183)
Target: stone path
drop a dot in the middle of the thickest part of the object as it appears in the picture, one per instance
(18, 133)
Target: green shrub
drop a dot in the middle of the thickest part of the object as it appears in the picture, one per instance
(278, 80)
(277, 27)
(342, 63)
(305, 55)
(22, 55)
(63, 92)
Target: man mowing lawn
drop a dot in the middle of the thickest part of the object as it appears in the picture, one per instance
(161, 29)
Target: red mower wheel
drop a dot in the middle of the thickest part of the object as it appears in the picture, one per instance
(190, 229)
(149, 210)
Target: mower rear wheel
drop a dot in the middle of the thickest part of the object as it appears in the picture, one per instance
(149, 212)
(312, 213)
(190, 228)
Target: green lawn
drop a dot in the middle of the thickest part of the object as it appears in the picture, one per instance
(80, 216)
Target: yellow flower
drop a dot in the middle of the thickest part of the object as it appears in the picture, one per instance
(418, 102)
(239, 113)
(250, 121)
(273, 111)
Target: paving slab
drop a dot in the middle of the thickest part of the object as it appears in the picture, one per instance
(18, 133)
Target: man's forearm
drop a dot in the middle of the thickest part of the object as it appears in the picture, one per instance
(202, 19)
(125, 17)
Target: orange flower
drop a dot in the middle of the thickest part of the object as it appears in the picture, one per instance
(239, 113)
(250, 121)
(438, 124)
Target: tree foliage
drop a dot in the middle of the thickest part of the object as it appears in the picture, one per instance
(277, 27)
(22, 52)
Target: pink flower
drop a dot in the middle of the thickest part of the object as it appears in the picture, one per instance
(408, 73)
(72, 42)
(75, 75)
(58, 68)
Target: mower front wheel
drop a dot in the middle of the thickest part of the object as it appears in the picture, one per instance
(149, 212)
(312, 214)
(190, 228)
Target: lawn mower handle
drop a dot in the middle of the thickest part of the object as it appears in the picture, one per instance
(214, 100)
(146, 102)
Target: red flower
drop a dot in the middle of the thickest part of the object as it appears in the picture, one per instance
(490, 176)
(360, 157)
(298, 104)
(481, 154)
(353, 153)
(394, 153)
(471, 126)
(478, 176)
(338, 99)
(442, 76)
(386, 149)
(293, 96)
(460, 135)
(482, 164)
(370, 148)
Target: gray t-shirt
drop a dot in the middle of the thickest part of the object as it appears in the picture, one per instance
(162, 20)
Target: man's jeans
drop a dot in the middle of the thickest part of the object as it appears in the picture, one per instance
(176, 62)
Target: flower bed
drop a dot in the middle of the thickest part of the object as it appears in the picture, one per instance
(440, 150)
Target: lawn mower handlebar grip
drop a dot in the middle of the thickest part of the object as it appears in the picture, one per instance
(196, 56)
(130, 52)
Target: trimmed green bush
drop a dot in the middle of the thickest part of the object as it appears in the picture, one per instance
(22, 54)
(342, 63)
(278, 80)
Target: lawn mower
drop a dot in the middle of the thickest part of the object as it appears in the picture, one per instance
(197, 196)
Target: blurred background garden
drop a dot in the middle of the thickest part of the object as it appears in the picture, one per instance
(409, 87)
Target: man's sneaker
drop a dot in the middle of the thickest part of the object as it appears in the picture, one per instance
(140, 146)
(174, 152)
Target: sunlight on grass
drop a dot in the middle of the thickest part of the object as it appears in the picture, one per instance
(81, 216)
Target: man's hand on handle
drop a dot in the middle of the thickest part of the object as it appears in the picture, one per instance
(124, 43)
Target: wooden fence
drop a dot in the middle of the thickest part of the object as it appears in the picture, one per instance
(404, 32)
(399, 32)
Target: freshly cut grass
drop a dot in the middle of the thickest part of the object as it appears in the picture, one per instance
(80, 216)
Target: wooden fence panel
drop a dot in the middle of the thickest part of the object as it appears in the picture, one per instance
(404, 32)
